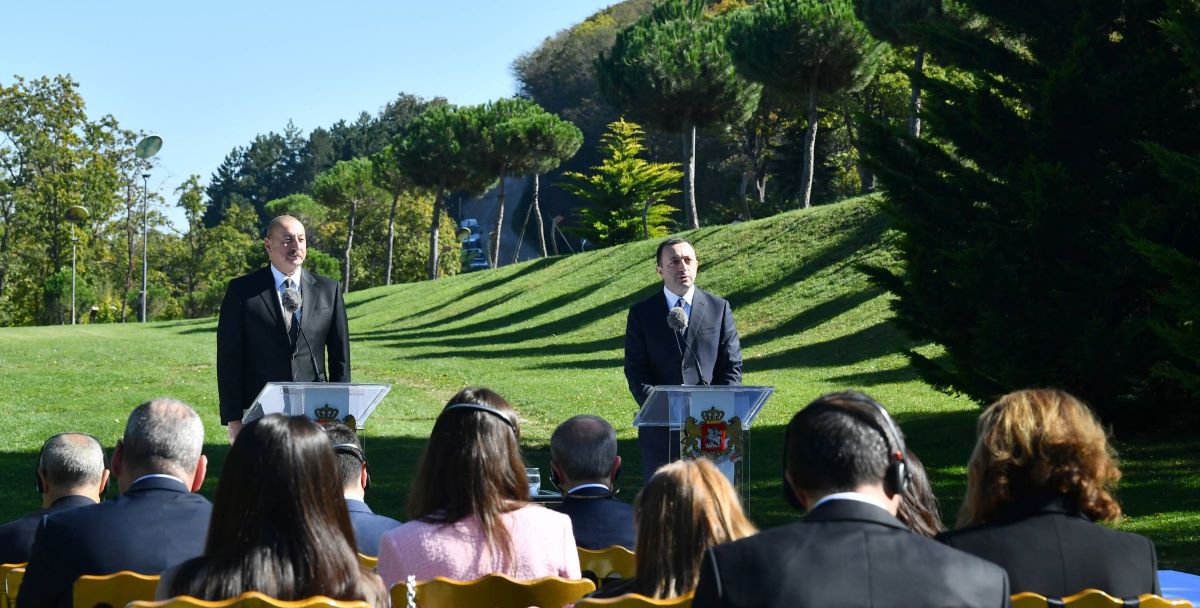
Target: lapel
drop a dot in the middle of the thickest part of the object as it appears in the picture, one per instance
(696, 319)
(270, 299)
(308, 296)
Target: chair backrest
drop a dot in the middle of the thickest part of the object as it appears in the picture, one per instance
(605, 563)
(635, 600)
(368, 562)
(113, 590)
(251, 599)
(1093, 598)
(495, 591)
(13, 575)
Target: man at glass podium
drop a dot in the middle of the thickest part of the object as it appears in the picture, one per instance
(277, 324)
(681, 335)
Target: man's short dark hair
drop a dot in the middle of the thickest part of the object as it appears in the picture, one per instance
(349, 466)
(584, 447)
(671, 242)
(834, 446)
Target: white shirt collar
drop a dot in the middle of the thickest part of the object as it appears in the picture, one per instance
(672, 298)
(280, 277)
(871, 500)
(587, 485)
(158, 475)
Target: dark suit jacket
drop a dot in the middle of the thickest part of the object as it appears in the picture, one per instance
(154, 525)
(16, 537)
(654, 356)
(846, 553)
(368, 526)
(1048, 548)
(599, 523)
(252, 341)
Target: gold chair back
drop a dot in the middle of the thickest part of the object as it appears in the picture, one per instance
(1093, 598)
(113, 590)
(635, 600)
(613, 562)
(494, 591)
(12, 574)
(368, 562)
(251, 599)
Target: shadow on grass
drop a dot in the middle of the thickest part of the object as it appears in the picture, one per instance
(871, 342)
(812, 317)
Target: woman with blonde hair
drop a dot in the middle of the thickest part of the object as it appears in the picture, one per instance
(1041, 473)
(687, 507)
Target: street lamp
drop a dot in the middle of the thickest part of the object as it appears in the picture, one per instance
(76, 215)
(149, 146)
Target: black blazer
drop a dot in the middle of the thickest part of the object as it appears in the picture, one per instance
(846, 553)
(252, 341)
(16, 537)
(368, 526)
(154, 525)
(654, 354)
(598, 523)
(1048, 548)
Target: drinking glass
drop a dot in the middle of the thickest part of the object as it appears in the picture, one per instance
(535, 480)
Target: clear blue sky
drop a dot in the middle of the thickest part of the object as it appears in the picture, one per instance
(208, 76)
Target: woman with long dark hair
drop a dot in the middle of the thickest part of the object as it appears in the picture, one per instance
(468, 504)
(279, 523)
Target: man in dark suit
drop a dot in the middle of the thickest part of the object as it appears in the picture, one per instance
(70, 473)
(156, 523)
(706, 352)
(844, 465)
(259, 340)
(355, 476)
(585, 464)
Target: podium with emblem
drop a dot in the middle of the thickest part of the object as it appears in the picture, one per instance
(713, 422)
(323, 402)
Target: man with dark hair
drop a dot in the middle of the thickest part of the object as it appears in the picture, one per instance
(584, 460)
(263, 337)
(707, 351)
(355, 478)
(844, 464)
(70, 473)
(156, 523)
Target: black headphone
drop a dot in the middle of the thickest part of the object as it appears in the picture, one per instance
(481, 408)
(37, 480)
(357, 452)
(897, 478)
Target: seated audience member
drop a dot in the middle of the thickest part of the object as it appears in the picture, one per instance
(354, 477)
(687, 507)
(468, 504)
(279, 525)
(584, 460)
(918, 506)
(1041, 473)
(156, 523)
(70, 473)
(843, 459)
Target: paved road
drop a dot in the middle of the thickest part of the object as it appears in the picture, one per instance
(484, 210)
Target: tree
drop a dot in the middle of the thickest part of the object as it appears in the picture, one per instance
(348, 184)
(501, 148)
(900, 23)
(672, 70)
(805, 50)
(434, 151)
(625, 192)
(545, 141)
(1015, 235)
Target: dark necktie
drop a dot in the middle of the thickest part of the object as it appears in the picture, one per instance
(289, 319)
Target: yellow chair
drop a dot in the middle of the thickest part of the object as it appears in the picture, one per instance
(113, 590)
(4, 570)
(635, 600)
(494, 591)
(368, 562)
(1094, 598)
(13, 575)
(251, 599)
(613, 562)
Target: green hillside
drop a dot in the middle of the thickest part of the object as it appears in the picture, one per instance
(548, 335)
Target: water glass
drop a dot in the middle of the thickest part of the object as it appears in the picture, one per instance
(535, 480)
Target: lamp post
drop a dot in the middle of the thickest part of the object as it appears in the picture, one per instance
(147, 147)
(76, 215)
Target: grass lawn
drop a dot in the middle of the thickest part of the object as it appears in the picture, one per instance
(547, 335)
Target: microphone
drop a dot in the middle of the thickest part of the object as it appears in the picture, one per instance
(677, 320)
(292, 301)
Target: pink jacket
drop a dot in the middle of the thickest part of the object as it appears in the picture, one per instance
(542, 543)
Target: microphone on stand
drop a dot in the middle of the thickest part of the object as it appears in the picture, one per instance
(291, 303)
(677, 320)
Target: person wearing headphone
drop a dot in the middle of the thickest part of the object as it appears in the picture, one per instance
(70, 473)
(844, 464)
(584, 464)
(355, 476)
